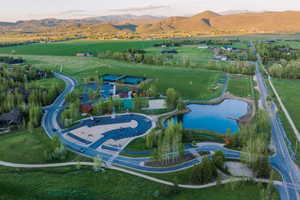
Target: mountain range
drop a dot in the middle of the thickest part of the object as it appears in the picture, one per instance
(207, 22)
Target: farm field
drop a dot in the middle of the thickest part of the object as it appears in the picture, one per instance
(191, 83)
(239, 85)
(70, 48)
(86, 184)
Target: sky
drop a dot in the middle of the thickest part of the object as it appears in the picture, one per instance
(13, 10)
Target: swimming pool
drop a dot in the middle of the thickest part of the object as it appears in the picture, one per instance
(218, 118)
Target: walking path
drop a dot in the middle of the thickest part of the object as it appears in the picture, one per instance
(15, 165)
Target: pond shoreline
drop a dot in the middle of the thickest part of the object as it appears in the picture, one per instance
(245, 119)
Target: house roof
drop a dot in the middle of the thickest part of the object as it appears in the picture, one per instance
(13, 117)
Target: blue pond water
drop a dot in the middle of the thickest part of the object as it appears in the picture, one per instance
(217, 118)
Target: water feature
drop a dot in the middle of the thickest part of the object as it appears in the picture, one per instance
(218, 118)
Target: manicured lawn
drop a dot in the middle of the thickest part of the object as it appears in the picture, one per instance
(26, 147)
(70, 184)
(191, 83)
(70, 48)
(240, 85)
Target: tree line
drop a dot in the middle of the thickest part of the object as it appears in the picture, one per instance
(18, 90)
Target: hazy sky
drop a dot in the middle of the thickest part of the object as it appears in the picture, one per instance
(12, 10)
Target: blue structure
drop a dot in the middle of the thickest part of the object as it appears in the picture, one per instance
(132, 80)
(111, 78)
(106, 90)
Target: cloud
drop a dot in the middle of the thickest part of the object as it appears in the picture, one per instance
(140, 9)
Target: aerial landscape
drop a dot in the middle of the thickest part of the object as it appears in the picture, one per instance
(139, 100)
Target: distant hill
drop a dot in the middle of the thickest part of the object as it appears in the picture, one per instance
(204, 23)
(35, 25)
(208, 21)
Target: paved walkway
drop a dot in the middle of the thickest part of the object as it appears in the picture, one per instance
(15, 165)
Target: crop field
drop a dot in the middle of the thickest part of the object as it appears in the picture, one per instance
(239, 85)
(191, 83)
(70, 48)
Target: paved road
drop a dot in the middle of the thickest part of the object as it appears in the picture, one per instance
(282, 160)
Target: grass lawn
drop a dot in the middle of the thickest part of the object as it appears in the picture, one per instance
(191, 83)
(70, 48)
(288, 91)
(26, 147)
(240, 85)
(70, 184)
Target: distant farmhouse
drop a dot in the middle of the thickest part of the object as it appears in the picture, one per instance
(84, 54)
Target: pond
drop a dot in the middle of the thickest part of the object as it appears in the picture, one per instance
(217, 118)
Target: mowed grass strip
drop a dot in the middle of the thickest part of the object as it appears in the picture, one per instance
(71, 184)
(191, 83)
(239, 85)
(70, 48)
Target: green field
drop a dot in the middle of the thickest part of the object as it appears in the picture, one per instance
(192, 52)
(293, 44)
(70, 48)
(240, 85)
(191, 83)
(26, 147)
(71, 184)
(288, 91)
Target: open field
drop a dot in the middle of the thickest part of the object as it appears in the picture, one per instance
(70, 48)
(239, 85)
(191, 83)
(71, 184)
(192, 52)
(26, 147)
(288, 91)
(293, 44)
(259, 37)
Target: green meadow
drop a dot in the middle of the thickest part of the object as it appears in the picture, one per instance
(70, 48)
(239, 85)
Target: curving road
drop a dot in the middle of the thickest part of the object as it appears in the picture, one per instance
(52, 127)
(282, 160)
